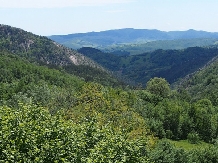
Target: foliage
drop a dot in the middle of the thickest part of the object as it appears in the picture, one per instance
(68, 119)
(46, 52)
(112, 105)
(204, 155)
(164, 151)
(90, 74)
(108, 60)
(169, 64)
(31, 134)
(203, 83)
(175, 117)
(28, 82)
(193, 138)
(159, 87)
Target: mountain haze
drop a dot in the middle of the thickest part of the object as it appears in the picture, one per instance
(127, 36)
(138, 48)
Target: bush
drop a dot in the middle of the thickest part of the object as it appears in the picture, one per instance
(31, 134)
(164, 151)
(193, 138)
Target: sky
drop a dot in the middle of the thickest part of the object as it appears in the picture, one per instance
(61, 17)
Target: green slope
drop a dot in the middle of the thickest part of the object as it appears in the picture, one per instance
(22, 81)
(89, 122)
(39, 48)
(46, 52)
(203, 83)
(169, 64)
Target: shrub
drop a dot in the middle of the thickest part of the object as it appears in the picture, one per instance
(193, 138)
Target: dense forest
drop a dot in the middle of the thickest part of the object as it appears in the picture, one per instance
(169, 64)
(43, 51)
(48, 114)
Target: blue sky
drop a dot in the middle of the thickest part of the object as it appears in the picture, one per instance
(50, 17)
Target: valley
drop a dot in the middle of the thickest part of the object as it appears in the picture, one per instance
(90, 104)
(169, 64)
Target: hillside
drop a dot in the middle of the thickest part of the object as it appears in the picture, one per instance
(44, 51)
(39, 48)
(49, 115)
(107, 39)
(26, 82)
(203, 83)
(169, 64)
(46, 113)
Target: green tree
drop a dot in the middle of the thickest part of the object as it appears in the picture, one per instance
(202, 113)
(31, 134)
(159, 87)
(164, 151)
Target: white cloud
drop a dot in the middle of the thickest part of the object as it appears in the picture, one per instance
(57, 3)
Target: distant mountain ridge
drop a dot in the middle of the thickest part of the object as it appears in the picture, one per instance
(138, 48)
(127, 35)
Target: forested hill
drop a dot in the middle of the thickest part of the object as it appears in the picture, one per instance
(39, 48)
(124, 36)
(169, 64)
(49, 115)
(203, 83)
(44, 51)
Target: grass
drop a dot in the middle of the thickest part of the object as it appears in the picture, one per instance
(188, 146)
